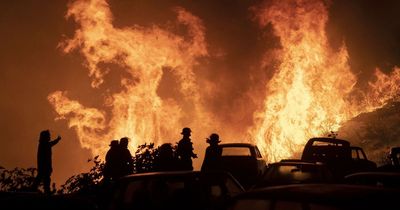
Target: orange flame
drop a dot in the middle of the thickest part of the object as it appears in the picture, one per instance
(385, 88)
(309, 93)
(136, 111)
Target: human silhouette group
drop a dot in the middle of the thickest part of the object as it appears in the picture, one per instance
(119, 161)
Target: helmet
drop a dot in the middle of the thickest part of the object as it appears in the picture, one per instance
(213, 138)
(186, 131)
(114, 143)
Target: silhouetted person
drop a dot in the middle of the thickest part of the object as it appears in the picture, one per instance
(126, 157)
(44, 162)
(213, 154)
(165, 160)
(112, 168)
(185, 150)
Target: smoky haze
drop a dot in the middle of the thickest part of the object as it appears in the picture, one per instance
(232, 76)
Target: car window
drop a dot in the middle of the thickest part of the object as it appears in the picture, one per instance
(236, 151)
(258, 153)
(354, 154)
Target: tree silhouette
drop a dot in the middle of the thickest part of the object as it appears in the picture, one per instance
(18, 179)
(145, 156)
(85, 182)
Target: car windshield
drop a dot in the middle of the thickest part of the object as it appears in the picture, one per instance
(236, 151)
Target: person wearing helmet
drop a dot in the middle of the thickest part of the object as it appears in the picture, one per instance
(112, 167)
(213, 154)
(185, 150)
(126, 157)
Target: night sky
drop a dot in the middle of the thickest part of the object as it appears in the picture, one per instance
(32, 65)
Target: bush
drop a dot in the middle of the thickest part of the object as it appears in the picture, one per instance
(84, 182)
(17, 179)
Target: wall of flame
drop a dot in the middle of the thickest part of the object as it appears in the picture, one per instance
(310, 93)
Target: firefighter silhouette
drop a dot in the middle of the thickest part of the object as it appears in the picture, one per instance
(213, 154)
(185, 150)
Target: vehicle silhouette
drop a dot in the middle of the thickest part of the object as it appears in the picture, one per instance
(174, 190)
(337, 155)
(244, 161)
(294, 172)
(316, 196)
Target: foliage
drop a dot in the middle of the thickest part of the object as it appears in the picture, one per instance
(85, 182)
(145, 156)
(143, 160)
(18, 179)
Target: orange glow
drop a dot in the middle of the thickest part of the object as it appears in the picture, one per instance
(385, 88)
(309, 94)
(136, 111)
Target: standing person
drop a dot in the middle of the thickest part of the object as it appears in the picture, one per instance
(185, 150)
(44, 162)
(112, 167)
(126, 157)
(213, 154)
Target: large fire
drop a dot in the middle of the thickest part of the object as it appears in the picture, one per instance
(308, 95)
(137, 111)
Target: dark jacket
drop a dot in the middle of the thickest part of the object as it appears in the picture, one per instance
(44, 156)
(185, 153)
(212, 158)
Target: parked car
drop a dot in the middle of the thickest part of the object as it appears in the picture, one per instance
(175, 190)
(360, 160)
(294, 172)
(337, 155)
(375, 178)
(394, 165)
(316, 197)
(244, 161)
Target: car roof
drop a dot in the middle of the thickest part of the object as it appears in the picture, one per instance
(162, 173)
(174, 174)
(159, 174)
(330, 140)
(287, 163)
